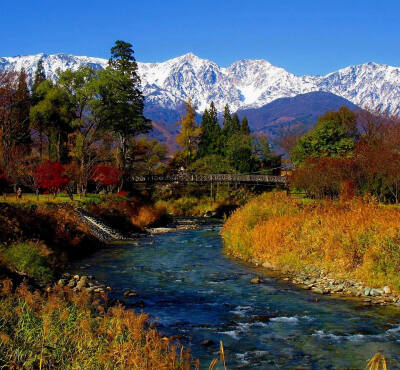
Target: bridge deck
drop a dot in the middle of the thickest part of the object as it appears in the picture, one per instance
(189, 177)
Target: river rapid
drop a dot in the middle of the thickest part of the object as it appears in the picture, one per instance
(190, 288)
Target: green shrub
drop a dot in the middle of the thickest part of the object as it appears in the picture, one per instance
(26, 258)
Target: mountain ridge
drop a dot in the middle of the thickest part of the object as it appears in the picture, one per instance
(247, 83)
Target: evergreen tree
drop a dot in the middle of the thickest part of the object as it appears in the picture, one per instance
(35, 99)
(211, 131)
(244, 127)
(121, 101)
(21, 110)
(39, 76)
(226, 123)
(235, 124)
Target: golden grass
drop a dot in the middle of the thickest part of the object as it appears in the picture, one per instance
(377, 362)
(358, 239)
(69, 330)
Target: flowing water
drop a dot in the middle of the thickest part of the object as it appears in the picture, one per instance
(189, 288)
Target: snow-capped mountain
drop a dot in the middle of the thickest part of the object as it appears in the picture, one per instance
(244, 84)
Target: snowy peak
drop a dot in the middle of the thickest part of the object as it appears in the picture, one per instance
(51, 63)
(244, 84)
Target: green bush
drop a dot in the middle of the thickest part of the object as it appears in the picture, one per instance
(26, 258)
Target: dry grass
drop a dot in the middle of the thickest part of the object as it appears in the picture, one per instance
(358, 239)
(69, 330)
(377, 362)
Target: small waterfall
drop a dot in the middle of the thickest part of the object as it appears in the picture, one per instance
(99, 228)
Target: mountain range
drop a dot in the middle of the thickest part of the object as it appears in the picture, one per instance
(248, 86)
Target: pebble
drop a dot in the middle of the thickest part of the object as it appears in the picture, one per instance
(387, 290)
(130, 293)
(207, 342)
(256, 280)
(268, 265)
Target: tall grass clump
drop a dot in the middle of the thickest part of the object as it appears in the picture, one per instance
(68, 330)
(358, 239)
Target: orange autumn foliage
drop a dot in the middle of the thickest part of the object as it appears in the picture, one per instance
(356, 239)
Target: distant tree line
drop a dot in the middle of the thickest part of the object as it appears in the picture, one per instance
(230, 148)
(347, 155)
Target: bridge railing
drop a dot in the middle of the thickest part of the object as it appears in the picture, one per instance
(191, 177)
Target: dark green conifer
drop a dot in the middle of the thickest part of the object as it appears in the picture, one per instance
(39, 75)
(21, 110)
(244, 127)
(211, 131)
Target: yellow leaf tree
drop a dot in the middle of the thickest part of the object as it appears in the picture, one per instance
(189, 134)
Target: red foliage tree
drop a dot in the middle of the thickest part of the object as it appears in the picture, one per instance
(51, 176)
(107, 176)
(324, 177)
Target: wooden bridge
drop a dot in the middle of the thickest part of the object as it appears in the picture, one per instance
(212, 178)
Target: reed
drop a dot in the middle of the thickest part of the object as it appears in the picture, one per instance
(359, 239)
(69, 330)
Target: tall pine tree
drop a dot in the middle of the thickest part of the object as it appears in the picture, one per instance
(35, 99)
(211, 131)
(39, 76)
(121, 101)
(244, 127)
(21, 110)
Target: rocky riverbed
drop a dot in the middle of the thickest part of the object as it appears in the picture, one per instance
(321, 282)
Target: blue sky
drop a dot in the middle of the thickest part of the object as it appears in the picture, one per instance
(303, 36)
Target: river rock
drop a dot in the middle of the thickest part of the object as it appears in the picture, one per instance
(387, 290)
(338, 288)
(267, 265)
(318, 290)
(207, 342)
(62, 282)
(374, 292)
(367, 291)
(130, 293)
(256, 280)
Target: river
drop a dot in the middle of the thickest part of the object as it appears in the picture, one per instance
(190, 288)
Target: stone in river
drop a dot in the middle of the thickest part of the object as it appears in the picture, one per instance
(256, 280)
(267, 265)
(387, 290)
(374, 292)
(130, 293)
(207, 342)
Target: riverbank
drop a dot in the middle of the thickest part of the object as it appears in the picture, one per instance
(38, 238)
(349, 249)
(56, 320)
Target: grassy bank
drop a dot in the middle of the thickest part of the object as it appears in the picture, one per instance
(68, 330)
(357, 240)
(37, 238)
(58, 327)
(198, 206)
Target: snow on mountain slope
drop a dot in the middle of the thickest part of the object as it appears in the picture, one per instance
(244, 84)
